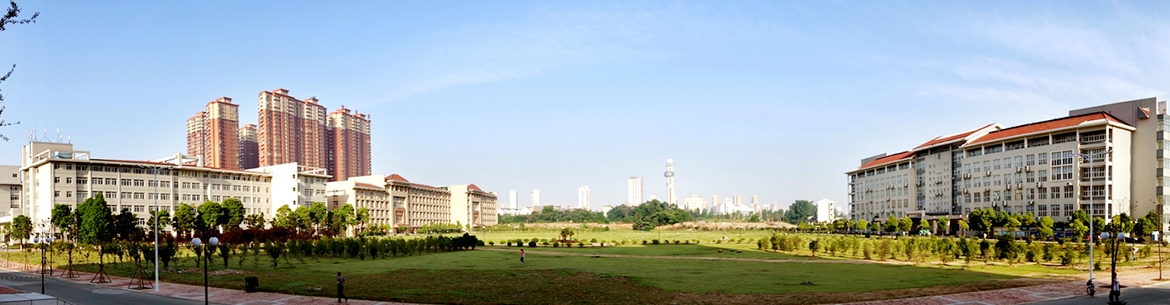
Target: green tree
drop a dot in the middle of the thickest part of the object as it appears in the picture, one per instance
(862, 225)
(255, 221)
(905, 224)
(318, 215)
(363, 217)
(346, 216)
(303, 218)
(184, 219)
(284, 218)
(22, 228)
(97, 225)
(1144, 226)
(125, 224)
(211, 213)
(163, 218)
(1079, 229)
(981, 220)
(943, 223)
(800, 211)
(755, 218)
(963, 225)
(1044, 227)
(923, 224)
(62, 217)
(234, 209)
(891, 224)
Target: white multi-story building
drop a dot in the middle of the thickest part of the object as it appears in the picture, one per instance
(512, 199)
(1041, 168)
(694, 203)
(10, 188)
(535, 198)
(826, 212)
(583, 197)
(55, 173)
(634, 191)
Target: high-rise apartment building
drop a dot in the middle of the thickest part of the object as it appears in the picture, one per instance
(291, 130)
(736, 200)
(512, 199)
(1105, 160)
(249, 147)
(634, 193)
(213, 134)
(535, 199)
(347, 144)
(583, 197)
(694, 203)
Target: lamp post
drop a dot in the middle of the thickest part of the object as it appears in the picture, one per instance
(1092, 158)
(156, 212)
(206, 250)
(1113, 264)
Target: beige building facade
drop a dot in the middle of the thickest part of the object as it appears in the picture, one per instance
(1043, 168)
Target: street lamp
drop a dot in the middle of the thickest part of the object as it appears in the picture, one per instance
(156, 212)
(1092, 158)
(211, 243)
(1113, 290)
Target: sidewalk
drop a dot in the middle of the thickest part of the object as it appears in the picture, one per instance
(192, 292)
(1025, 295)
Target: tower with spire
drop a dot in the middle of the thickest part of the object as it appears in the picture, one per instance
(670, 198)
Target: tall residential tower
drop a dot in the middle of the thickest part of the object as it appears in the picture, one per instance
(347, 144)
(212, 134)
(291, 130)
(634, 193)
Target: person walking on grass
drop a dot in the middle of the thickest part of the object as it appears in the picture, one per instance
(521, 256)
(341, 288)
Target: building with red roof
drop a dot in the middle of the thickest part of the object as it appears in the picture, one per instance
(1105, 159)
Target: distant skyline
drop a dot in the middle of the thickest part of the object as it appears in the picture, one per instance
(775, 99)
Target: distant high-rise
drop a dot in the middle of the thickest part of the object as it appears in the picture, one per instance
(213, 134)
(512, 199)
(755, 200)
(583, 197)
(291, 130)
(634, 193)
(347, 141)
(736, 201)
(715, 202)
(694, 203)
(249, 147)
(535, 199)
(670, 198)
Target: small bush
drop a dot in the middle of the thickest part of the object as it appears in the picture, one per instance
(556, 244)
(644, 242)
(654, 241)
(490, 243)
(532, 244)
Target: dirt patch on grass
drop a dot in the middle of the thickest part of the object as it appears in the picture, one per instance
(848, 297)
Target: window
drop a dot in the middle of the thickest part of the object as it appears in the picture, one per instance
(1031, 194)
(139, 182)
(125, 170)
(97, 181)
(1019, 178)
(139, 171)
(81, 180)
(1020, 161)
(1043, 193)
(1007, 163)
(68, 194)
(1043, 158)
(111, 181)
(997, 164)
(56, 193)
(56, 179)
(126, 195)
(1062, 173)
(997, 180)
(1043, 175)
(111, 195)
(1056, 192)
(139, 195)
(1031, 177)
(165, 196)
(126, 182)
(1068, 191)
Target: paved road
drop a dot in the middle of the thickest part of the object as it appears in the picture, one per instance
(84, 294)
(1153, 294)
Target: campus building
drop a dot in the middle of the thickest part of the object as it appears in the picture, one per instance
(470, 205)
(55, 173)
(362, 192)
(1043, 168)
(10, 188)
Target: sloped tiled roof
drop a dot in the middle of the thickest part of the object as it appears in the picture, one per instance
(1044, 126)
(397, 178)
(945, 139)
(888, 159)
(473, 187)
(367, 185)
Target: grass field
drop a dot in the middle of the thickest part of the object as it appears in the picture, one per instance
(629, 274)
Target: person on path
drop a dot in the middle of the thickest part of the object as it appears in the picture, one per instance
(341, 288)
(521, 256)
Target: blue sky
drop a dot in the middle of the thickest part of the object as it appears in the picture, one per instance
(773, 98)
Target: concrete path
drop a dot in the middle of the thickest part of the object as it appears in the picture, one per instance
(192, 292)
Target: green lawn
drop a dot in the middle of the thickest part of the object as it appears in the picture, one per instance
(630, 274)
